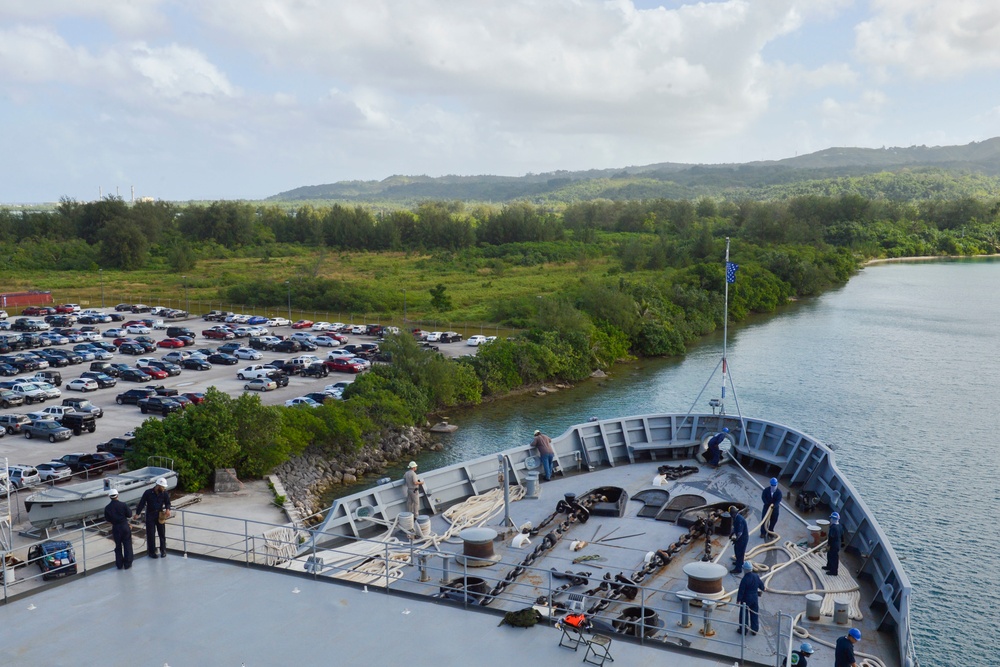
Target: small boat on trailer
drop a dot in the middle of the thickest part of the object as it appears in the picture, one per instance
(60, 505)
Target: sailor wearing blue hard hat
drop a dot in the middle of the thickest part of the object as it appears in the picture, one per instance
(844, 652)
(740, 537)
(771, 497)
(800, 658)
(714, 454)
(747, 598)
(834, 538)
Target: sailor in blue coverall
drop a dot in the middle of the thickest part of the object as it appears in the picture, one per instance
(833, 539)
(747, 595)
(740, 537)
(771, 497)
(714, 454)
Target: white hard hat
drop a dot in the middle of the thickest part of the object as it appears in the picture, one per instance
(113, 493)
(537, 432)
(162, 482)
(413, 464)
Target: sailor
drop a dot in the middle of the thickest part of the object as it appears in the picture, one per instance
(771, 497)
(834, 537)
(714, 453)
(800, 658)
(543, 444)
(413, 484)
(740, 537)
(746, 597)
(156, 503)
(843, 655)
(117, 514)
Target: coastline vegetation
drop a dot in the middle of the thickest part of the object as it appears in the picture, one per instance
(595, 283)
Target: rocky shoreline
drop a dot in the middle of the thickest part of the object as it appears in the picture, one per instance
(308, 477)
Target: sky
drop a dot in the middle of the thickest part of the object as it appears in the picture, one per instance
(243, 99)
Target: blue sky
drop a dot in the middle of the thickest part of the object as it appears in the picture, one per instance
(241, 99)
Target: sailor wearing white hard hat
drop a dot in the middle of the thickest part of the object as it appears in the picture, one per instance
(117, 514)
(413, 484)
(156, 503)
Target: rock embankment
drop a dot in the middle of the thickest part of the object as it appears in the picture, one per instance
(308, 477)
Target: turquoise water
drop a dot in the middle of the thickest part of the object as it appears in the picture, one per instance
(898, 371)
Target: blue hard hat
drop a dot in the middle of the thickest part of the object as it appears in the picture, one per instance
(835, 517)
(806, 648)
(725, 430)
(774, 481)
(747, 566)
(855, 633)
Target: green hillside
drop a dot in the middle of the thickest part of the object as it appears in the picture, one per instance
(903, 174)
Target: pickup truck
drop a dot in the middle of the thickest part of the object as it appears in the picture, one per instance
(48, 429)
(218, 334)
(119, 446)
(9, 399)
(159, 404)
(31, 393)
(79, 422)
(56, 412)
(254, 371)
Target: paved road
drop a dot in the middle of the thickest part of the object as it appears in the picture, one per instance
(121, 418)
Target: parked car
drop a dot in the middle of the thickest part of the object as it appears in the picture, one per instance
(315, 370)
(119, 446)
(155, 373)
(280, 378)
(23, 475)
(476, 341)
(253, 372)
(9, 399)
(228, 348)
(82, 384)
(174, 332)
(320, 396)
(247, 353)
(133, 396)
(191, 363)
(104, 367)
(131, 347)
(260, 384)
(287, 346)
(31, 393)
(195, 397)
(13, 423)
(103, 380)
(79, 462)
(84, 406)
(170, 343)
(52, 471)
(158, 404)
(301, 401)
(218, 334)
(220, 358)
(172, 370)
(344, 365)
(48, 429)
(302, 324)
(79, 422)
(134, 375)
(138, 329)
(177, 356)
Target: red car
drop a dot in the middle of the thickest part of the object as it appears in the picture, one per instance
(171, 342)
(344, 365)
(302, 324)
(218, 334)
(154, 372)
(118, 341)
(66, 308)
(35, 310)
(195, 397)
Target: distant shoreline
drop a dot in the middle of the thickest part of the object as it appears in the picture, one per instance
(890, 260)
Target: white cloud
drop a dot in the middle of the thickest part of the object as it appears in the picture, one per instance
(854, 119)
(931, 38)
(126, 16)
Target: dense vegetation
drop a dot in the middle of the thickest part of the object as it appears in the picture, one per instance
(594, 283)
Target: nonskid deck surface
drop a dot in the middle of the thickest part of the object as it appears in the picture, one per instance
(621, 545)
(189, 612)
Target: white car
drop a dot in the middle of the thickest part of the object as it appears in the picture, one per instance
(476, 341)
(300, 401)
(138, 329)
(159, 324)
(3, 315)
(358, 329)
(90, 335)
(338, 327)
(434, 336)
(49, 390)
(248, 353)
(278, 322)
(5, 325)
(177, 356)
(114, 332)
(339, 353)
(144, 361)
(338, 386)
(302, 336)
(82, 384)
(321, 326)
(53, 471)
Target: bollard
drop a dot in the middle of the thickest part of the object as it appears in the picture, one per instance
(446, 567)
(685, 599)
(709, 607)
(422, 563)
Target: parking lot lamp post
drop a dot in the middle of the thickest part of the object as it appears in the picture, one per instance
(289, 286)
(187, 304)
(101, 273)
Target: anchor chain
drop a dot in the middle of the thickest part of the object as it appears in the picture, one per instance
(676, 472)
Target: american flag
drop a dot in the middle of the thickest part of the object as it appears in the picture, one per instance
(731, 272)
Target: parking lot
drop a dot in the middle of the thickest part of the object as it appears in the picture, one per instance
(118, 419)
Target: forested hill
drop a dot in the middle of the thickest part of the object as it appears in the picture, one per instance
(902, 174)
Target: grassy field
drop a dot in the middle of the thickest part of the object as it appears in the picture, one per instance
(471, 287)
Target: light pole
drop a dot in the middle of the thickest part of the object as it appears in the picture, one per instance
(289, 286)
(187, 304)
(101, 273)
